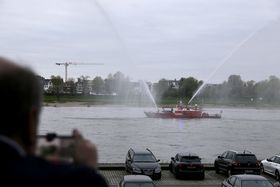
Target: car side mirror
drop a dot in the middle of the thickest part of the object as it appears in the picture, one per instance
(268, 160)
(158, 160)
(172, 158)
(220, 157)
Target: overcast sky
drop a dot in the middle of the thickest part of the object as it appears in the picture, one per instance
(145, 39)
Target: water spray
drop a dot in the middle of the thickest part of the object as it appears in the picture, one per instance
(125, 50)
(149, 93)
(225, 60)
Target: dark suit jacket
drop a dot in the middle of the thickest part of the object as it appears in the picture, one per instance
(17, 170)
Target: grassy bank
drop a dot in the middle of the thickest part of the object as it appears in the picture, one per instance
(79, 98)
(102, 100)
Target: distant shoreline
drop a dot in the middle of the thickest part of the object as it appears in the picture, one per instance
(88, 104)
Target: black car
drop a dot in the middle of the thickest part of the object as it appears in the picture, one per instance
(232, 162)
(186, 164)
(247, 181)
(142, 162)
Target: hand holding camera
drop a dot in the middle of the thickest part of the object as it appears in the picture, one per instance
(75, 148)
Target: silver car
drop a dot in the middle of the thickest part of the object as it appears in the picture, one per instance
(136, 181)
(247, 181)
(272, 166)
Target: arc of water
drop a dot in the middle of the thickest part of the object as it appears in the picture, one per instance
(149, 93)
(225, 59)
(123, 46)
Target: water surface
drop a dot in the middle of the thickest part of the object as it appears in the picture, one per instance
(115, 129)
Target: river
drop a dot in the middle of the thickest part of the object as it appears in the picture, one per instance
(114, 129)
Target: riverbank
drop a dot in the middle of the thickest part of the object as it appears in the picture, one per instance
(97, 100)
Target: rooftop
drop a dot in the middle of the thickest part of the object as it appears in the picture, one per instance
(250, 177)
(137, 178)
(188, 154)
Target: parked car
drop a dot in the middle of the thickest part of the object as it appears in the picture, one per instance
(186, 164)
(232, 162)
(247, 181)
(271, 166)
(136, 181)
(142, 162)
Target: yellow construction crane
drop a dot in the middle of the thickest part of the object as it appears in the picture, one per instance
(66, 64)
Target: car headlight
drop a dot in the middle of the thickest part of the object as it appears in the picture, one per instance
(158, 169)
(136, 170)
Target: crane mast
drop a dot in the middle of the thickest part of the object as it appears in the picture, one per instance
(66, 64)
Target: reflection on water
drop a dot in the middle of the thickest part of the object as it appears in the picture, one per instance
(116, 129)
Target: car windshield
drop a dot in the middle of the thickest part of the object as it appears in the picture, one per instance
(258, 183)
(190, 159)
(144, 158)
(140, 184)
(246, 158)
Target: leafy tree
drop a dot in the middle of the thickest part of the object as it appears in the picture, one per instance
(57, 85)
(120, 83)
(235, 85)
(98, 85)
(161, 87)
(109, 84)
(188, 86)
(250, 90)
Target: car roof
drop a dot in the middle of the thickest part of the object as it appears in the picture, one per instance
(250, 177)
(245, 152)
(137, 178)
(182, 154)
(141, 151)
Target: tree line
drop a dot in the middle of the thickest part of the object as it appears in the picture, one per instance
(113, 84)
(233, 90)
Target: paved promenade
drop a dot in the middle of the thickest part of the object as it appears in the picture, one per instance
(114, 173)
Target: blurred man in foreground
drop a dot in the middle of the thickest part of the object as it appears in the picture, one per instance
(20, 105)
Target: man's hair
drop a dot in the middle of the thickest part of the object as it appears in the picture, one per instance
(20, 90)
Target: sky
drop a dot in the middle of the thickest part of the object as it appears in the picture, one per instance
(144, 39)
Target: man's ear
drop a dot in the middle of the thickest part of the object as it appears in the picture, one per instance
(33, 120)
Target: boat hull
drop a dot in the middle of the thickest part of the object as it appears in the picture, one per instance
(186, 115)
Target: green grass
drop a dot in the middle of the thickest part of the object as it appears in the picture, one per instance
(100, 100)
(79, 98)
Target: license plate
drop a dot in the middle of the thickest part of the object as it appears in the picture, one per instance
(148, 172)
(248, 171)
(191, 167)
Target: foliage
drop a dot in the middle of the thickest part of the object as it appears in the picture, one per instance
(232, 91)
(98, 85)
(57, 85)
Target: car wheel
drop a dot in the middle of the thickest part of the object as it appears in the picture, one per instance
(261, 169)
(217, 169)
(170, 168)
(202, 176)
(174, 170)
(159, 177)
(229, 172)
(277, 176)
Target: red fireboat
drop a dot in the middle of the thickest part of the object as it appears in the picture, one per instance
(181, 111)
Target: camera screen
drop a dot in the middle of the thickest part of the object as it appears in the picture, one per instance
(55, 148)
